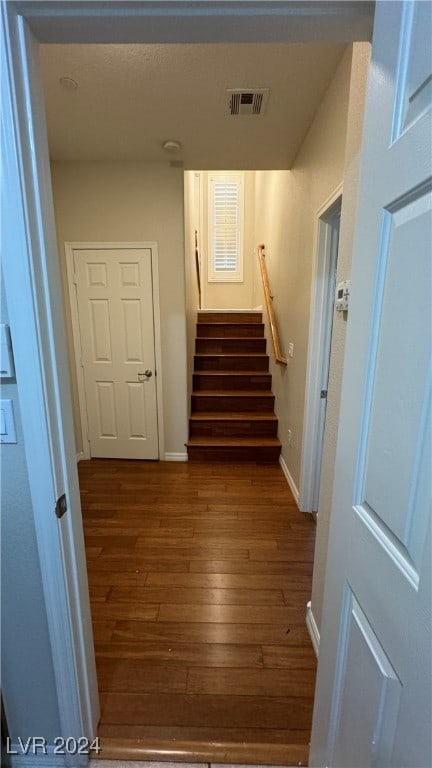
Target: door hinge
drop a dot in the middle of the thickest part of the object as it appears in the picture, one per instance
(61, 506)
(323, 394)
(75, 280)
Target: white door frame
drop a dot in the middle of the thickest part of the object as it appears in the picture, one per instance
(70, 248)
(321, 319)
(32, 278)
(31, 274)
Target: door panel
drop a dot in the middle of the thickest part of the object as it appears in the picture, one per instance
(130, 274)
(400, 371)
(373, 696)
(105, 403)
(136, 410)
(115, 307)
(367, 694)
(100, 331)
(132, 324)
(96, 275)
(414, 86)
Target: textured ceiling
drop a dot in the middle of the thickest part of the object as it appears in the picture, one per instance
(130, 98)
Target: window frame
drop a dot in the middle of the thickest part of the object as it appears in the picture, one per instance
(225, 276)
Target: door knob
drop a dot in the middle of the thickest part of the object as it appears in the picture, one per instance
(145, 376)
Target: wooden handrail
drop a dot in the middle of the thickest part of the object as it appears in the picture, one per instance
(270, 311)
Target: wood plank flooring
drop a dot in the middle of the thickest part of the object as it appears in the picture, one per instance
(199, 576)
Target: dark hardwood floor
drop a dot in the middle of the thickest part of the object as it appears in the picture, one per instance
(199, 577)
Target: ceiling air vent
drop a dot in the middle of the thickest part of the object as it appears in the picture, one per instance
(244, 101)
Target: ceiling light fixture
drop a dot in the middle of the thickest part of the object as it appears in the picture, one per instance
(171, 146)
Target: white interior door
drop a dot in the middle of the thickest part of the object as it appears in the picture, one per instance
(115, 309)
(373, 694)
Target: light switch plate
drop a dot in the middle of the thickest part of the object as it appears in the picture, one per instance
(7, 422)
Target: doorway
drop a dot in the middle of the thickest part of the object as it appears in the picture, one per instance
(55, 612)
(320, 337)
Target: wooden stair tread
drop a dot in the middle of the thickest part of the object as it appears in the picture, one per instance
(230, 344)
(204, 312)
(234, 441)
(230, 338)
(232, 393)
(226, 322)
(220, 316)
(231, 354)
(243, 372)
(232, 416)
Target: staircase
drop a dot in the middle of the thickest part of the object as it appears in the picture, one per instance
(232, 416)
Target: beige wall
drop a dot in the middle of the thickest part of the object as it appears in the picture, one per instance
(133, 201)
(230, 295)
(360, 63)
(286, 204)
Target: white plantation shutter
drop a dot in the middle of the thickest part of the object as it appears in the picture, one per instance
(225, 227)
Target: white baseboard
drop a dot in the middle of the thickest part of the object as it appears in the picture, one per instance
(289, 479)
(175, 457)
(167, 457)
(312, 628)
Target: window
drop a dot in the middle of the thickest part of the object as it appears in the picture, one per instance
(225, 227)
